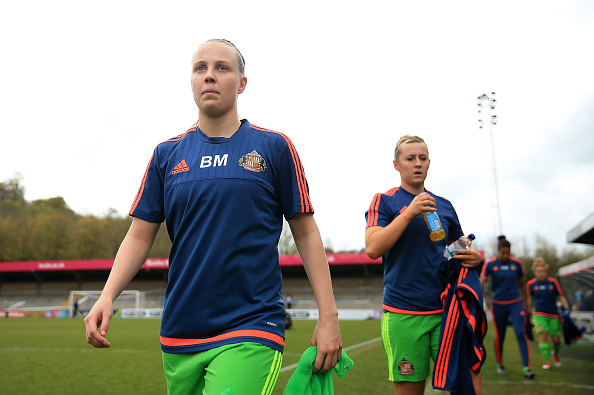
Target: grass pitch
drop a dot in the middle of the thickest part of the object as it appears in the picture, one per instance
(51, 356)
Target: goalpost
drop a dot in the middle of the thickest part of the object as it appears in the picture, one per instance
(132, 299)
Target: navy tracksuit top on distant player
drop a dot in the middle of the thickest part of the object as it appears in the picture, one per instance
(413, 270)
(544, 293)
(507, 304)
(223, 200)
(504, 279)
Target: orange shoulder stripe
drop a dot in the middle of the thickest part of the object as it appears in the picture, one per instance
(529, 284)
(391, 191)
(559, 289)
(141, 189)
(372, 213)
(486, 264)
(519, 262)
(306, 206)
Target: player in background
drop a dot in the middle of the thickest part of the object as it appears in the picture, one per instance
(508, 282)
(543, 294)
(223, 188)
(396, 231)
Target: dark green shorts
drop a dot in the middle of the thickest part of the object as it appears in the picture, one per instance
(409, 342)
(242, 368)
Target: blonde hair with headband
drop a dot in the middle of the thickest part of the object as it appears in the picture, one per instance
(407, 138)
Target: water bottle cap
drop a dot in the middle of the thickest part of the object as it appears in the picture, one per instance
(471, 237)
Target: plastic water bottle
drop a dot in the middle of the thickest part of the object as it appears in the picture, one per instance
(463, 243)
(436, 231)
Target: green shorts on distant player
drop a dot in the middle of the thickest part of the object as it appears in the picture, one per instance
(547, 324)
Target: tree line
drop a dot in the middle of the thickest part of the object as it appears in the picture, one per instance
(47, 229)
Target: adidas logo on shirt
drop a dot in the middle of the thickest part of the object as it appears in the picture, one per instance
(181, 167)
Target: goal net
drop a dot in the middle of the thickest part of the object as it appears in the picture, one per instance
(132, 299)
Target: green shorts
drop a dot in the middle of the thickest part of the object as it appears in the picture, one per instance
(547, 324)
(409, 342)
(242, 368)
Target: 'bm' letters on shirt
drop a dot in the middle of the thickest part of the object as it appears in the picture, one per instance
(207, 161)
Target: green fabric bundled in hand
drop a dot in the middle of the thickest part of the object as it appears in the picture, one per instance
(304, 381)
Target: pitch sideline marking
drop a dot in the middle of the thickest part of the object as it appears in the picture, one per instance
(554, 384)
(351, 348)
(65, 349)
(500, 382)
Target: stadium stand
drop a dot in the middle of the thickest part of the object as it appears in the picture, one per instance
(577, 279)
(40, 285)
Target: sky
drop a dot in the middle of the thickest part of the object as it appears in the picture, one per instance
(88, 89)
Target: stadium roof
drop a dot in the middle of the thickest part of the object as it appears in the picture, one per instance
(584, 232)
(163, 263)
(582, 272)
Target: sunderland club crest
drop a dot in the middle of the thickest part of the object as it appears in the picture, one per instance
(253, 162)
(406, 367)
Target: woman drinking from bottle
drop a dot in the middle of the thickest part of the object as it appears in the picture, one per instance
(413, 279)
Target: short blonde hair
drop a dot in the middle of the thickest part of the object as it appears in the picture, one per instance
(539, 261)
(407, 138)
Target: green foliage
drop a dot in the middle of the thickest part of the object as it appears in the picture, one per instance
(47, 229)
(11, 190)
(286, 244)
(552, 256)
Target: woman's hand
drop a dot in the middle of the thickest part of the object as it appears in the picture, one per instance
(468, 257)
(97, 323)
(421, 203)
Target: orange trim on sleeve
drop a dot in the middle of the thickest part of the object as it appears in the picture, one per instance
(519, 262)
(141, 189)
(392, 191)
(559, 289)
(167, 341)
(306, 206)
(529, 284)
(486, 264)
(372, 213)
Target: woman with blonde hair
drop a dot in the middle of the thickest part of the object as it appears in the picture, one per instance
(413, 267)
(543, 293)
